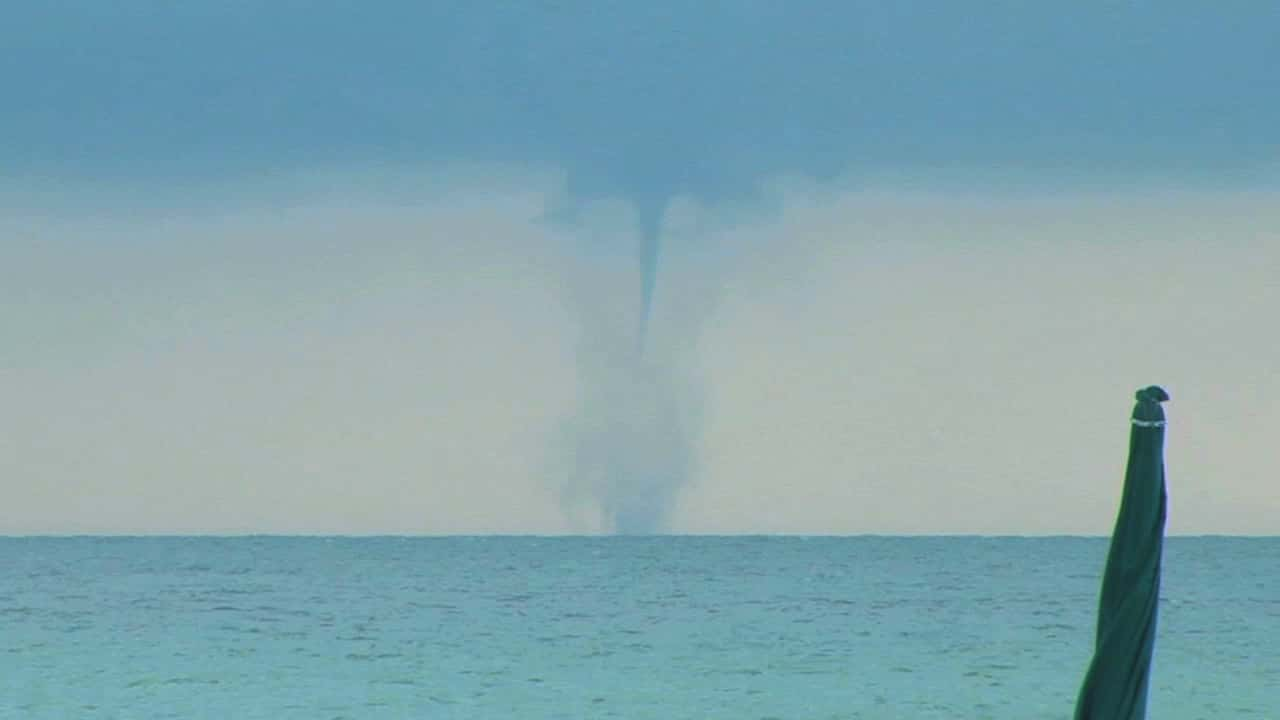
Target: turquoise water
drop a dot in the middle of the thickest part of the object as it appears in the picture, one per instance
(664, 627)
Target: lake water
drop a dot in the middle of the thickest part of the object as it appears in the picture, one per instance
(661, 627)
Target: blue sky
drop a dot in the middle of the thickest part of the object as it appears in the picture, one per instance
(375, 267)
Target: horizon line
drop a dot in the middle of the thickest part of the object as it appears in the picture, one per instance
(573, 536)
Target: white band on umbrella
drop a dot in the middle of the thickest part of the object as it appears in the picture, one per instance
(1148, 423)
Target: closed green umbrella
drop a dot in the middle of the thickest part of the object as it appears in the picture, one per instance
(1115, 687)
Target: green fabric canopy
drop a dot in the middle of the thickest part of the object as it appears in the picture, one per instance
(1115, 687)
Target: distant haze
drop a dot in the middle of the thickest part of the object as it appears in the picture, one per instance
(667, 267)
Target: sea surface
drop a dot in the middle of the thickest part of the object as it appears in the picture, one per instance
(613, 627)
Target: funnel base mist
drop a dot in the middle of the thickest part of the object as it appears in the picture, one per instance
(631, 448)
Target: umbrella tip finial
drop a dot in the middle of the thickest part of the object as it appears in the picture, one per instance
(1155, 393)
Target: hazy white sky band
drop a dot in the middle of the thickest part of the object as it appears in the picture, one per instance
(334, 359)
